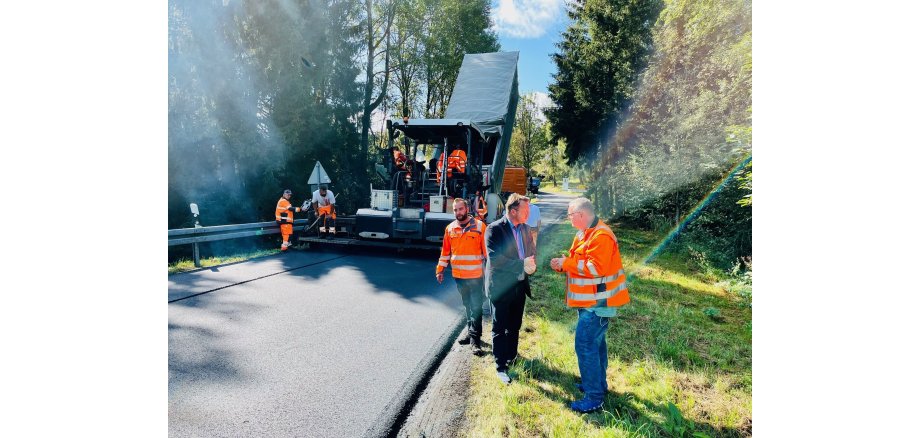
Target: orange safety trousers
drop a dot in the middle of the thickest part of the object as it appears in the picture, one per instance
(326, 213)
(286, 216)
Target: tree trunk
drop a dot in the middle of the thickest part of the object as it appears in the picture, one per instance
(369, 105)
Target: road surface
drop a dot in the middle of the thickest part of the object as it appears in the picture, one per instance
(308, 343)
(302, 344)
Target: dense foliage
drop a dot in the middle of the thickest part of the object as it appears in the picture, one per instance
(601, 54)
(685, 126)
(259, 91)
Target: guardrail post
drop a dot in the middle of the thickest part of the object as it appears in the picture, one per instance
(194, 208)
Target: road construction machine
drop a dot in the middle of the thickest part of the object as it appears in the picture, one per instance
(429, 162)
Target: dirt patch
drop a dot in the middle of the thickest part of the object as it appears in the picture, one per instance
(440, 409)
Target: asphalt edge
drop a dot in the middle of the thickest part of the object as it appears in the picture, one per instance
(400, 406)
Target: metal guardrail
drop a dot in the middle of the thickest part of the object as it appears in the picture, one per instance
(194, 236)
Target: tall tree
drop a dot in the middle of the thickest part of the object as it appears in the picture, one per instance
(457, 27)
(408, 54)
(377, 32)
(553, 164)
(527, 140)
(601, 55)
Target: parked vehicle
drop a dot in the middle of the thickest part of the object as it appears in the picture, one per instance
(534, 185)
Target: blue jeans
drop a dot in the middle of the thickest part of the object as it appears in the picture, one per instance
(591, 349)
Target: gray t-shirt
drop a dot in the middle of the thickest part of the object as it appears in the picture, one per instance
(534, 220)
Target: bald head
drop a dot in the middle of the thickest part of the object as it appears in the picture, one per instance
(582, 204)
(581, 213)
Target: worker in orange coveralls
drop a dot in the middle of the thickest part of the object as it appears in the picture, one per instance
(284, 216)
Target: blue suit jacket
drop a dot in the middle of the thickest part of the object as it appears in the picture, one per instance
(504, 266)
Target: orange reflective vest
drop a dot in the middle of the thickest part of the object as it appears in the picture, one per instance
(464, 248)
(284, 212)
(594, 270)
(456, 161)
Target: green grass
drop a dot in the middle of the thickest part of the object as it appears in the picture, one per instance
(547, 186)
(680, 356)
(189, 265)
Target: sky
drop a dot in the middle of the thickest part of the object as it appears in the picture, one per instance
(531, 27)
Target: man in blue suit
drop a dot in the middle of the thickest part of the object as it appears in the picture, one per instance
(511, 260)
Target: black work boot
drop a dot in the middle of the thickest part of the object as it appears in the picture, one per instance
(477, 347)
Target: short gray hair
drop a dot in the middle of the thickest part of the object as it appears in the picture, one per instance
(514, 199)
(582, 204)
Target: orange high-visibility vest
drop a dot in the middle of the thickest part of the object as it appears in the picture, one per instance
(456, 161)
(464, 248)
(594, 270)
(284, 212)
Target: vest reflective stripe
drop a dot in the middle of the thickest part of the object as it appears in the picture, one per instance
(591, 268)
(282, 212)
(464, 248)
(599, 281)
(466, 257)
(597, 296)
(592, 281)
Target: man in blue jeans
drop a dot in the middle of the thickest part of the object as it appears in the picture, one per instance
(596, 286)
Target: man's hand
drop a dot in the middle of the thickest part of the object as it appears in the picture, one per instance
(440, 277)
(530, 266)
(556, 264)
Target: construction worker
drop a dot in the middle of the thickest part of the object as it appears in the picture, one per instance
(456, 162)
(596, 287)
(465, 249)
(284, 216)
(324, 207)
(482, 210)
(399, 158)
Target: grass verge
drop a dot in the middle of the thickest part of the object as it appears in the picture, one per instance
(680, 357)
(576, 188)
(189, 265)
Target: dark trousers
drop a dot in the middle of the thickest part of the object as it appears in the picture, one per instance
(507, 314)
(472, 291)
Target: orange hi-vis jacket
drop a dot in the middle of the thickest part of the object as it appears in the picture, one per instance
(456, 161)
(464, 248)
(284, 212)
(594, 270)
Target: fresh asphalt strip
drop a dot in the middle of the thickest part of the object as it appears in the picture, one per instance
(390, 421)
(397, 411)
(258, 278)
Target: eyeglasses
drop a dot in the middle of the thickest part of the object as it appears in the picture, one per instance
(572, 214)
